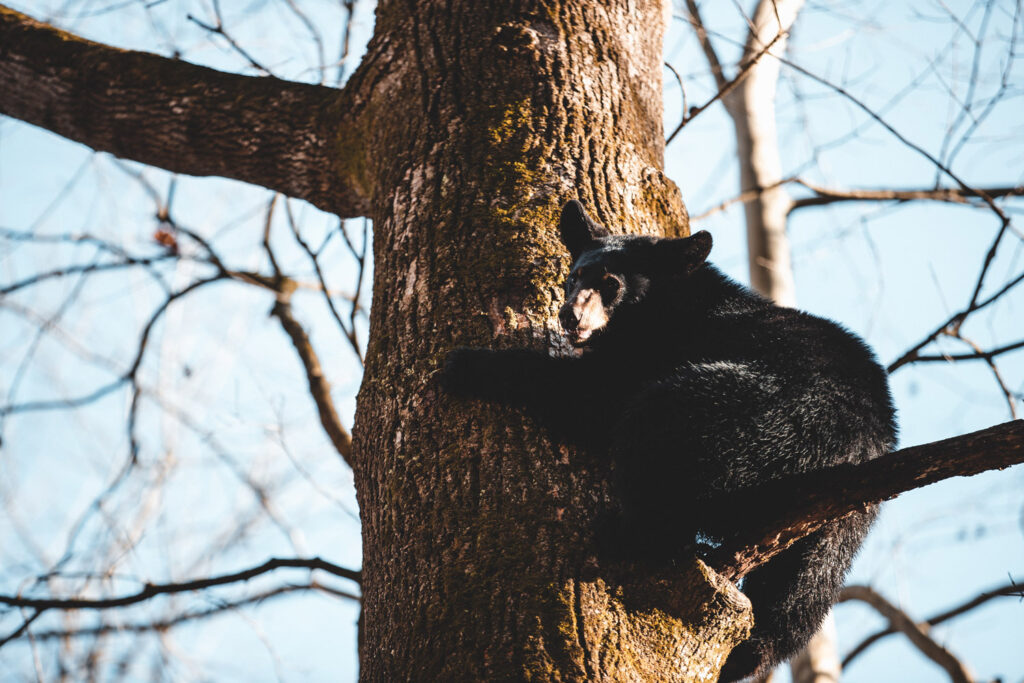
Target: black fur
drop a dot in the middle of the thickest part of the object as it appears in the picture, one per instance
(696, 387)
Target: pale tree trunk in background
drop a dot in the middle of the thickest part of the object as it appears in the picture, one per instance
(819, 661)
(752, 109)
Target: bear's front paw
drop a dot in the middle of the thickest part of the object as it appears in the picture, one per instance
(465, 371)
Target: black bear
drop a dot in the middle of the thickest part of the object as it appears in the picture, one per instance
(696, 386)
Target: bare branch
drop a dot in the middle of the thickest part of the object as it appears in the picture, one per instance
(705, 44)
(348, 330)
(916, 633)
(18, 632)
(186, 617)
(83, 269)
(953, 324)
(151, 590)
(218, 29)
(1014, 588)
(724, 91)
(957, 195)
(978, 355)
(182, 117)
(815, 498)
(319, 388)
(128, 376)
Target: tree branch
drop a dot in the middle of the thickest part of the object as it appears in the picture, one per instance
(804, 503)
(150, 590)
(916, 633)
(319, 388)
(185, 118)
(705, 43)
(728, 87)
(956, 195)
(186, 617)
(1012, 588)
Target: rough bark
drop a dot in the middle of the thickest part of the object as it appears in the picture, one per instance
(479, 557)
(302, 140)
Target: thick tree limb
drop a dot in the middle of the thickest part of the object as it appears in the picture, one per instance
(151, 590)
(182, 117)
(916, 633)
(804, 503)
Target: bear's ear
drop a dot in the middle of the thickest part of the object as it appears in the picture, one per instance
(690, 251)
(578, 230)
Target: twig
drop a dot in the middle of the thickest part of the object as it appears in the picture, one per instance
(980, 354)
(348, 331)
(218, 29)
(953, 323)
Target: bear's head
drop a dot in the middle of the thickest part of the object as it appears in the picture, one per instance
(613, 272)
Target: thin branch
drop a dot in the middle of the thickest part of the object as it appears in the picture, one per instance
(978, 355)
(186, 118)
(84, 269)
(916, 633)
(1014, 588)
(957, 195)
(1004, 219)
(18, 632)
(741, 198)
(128, 376)
(151, 590)
(705, 44)
(186, 617)
(954, 322)
(218, 29)
(815, 498)
(319, 388)
(679, 82)
(348, 330)
(724, 91)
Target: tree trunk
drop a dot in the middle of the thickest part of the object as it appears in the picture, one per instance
(752, 108)
(478, 531)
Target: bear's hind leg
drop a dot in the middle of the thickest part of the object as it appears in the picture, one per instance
(792, 594)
